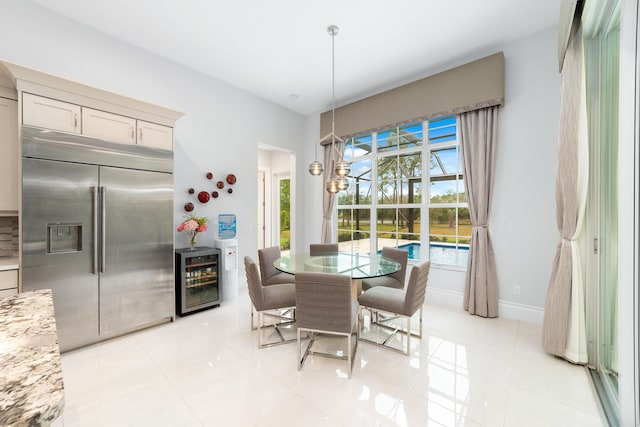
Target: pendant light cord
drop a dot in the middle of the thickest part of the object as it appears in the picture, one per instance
(333, 30)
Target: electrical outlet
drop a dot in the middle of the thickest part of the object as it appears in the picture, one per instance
(516, 290)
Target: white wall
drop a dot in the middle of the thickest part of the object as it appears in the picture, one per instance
(523, 216)
(219, 133)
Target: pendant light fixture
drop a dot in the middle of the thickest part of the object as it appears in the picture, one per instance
(343, 183)
(341, 168)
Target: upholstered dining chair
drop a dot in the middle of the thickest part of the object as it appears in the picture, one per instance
(395, 280)
(402, 303)
(271, 275)
(316, 249)
(268, 298)
(324, 305)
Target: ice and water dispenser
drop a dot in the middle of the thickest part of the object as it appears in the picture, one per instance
(228, 245)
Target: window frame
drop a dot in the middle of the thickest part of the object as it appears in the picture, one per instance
(425, 149)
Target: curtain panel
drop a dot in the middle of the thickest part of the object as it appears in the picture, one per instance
(331, 153)
(478, 141)
(564, 325)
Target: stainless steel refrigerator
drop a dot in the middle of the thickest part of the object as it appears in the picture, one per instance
(97, 229)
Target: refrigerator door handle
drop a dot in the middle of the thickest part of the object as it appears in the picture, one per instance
(94, 197)
(103, 229)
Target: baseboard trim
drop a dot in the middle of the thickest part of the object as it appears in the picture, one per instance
(508, 309)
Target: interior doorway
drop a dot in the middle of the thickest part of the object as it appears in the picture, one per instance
(276, 198)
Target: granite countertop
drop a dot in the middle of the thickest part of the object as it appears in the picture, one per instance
(31, 388)
(9, 263)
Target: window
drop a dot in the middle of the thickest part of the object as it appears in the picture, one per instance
(449, 221)
(392, 192)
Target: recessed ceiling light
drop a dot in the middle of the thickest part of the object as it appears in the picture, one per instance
(293, 96)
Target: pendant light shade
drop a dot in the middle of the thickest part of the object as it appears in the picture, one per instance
(342, 168)
(343, 183)
(315, 168)
(332, 186)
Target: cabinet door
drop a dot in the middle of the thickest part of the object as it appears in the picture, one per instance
(155, 136)
(108, 126)
(8, 279)
(9, 155)
(50, 114)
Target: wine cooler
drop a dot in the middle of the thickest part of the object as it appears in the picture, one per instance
(198, 281)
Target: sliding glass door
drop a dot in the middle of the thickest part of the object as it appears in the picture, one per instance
(601, 29)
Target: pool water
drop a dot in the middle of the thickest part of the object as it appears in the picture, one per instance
(438, 254)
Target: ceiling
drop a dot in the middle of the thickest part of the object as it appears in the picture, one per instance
(280, 49)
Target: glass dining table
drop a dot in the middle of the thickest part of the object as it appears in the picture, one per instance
(356, 265)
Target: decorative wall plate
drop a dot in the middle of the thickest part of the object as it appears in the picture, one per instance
(204, 197)
(188, 207)
(220, 185)
(231, 179)
(214, 194)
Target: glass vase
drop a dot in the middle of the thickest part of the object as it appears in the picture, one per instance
(192, 239)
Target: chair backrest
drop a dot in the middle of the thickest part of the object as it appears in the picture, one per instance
(266, 257)
(416, 288)
(316, 249)
(401, 257)
(253, 283)
(324, 302)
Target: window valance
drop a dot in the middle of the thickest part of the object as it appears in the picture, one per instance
(469, 87)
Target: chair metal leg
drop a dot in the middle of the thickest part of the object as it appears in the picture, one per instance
(253, 325)
(260, 329)
(395, 330)
(409, 335)
(275, 326)
(381, 319)
(349, 358)
(299, 351)
(307, 351)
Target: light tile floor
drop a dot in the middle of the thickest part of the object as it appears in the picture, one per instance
(206, 370)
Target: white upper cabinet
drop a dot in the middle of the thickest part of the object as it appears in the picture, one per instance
(50, 113)
(8, 155)
(58, 115)
(155, 136)
(54, 103)
(108, 126)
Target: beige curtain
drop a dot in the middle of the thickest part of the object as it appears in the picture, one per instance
(563, 330)
(478, 140)
(331, 154)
